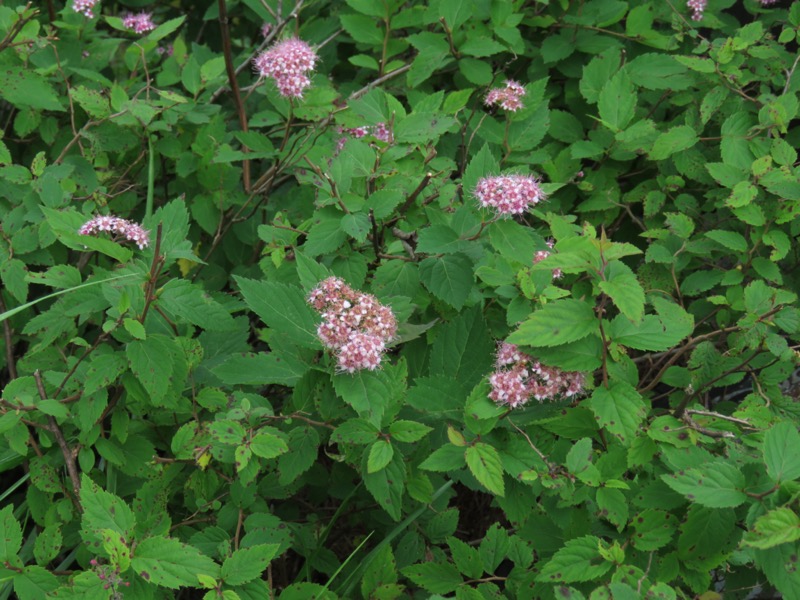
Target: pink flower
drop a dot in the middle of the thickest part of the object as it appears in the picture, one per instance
(265, 29)
(518, 378)
(287, 63)
(382, 132)
(508, 97)
(509, 194)
(85, 7)
(355, 325)
(768, 2)
(141, 23)
(540, 255)
(133, 232)
(698, 8)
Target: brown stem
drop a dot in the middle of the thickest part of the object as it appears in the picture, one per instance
(69, 458)
(237, 96)
(7, 335)
(17, 27)
(152, 280)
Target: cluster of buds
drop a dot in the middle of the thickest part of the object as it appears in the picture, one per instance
(380, 132)
(518, 378)
(288, 63)
(509, 194)
(266, 28)
(508, 97)
(133, 232)
(85, 7)
(540, 255)
(110, 576)
(698, 7)
(355, 325)
(141, 23)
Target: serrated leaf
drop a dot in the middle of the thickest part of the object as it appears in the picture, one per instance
(449, 278)
(152, 362)
(778, 526)
(248, 563)
(625, 291)
(387, 485)
(267, 445)
(619, 408)
(10, 534)
(408, 431)
(781, 443)
(716, 484)
(617, 101)
(484, 462)
(437, 578)
(355, 431)
(103, 510)
(380, 455)
(282, 308)
(446, 458)
(556, 323)
(578, 560)
(675, 140)
(170, 563)
(654, 529)
(482, 164)
(730, 239)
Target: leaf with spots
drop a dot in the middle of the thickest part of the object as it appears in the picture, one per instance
(103, 510)
(169, 563)
(10, 534)
(248, 563)
(619, 408)
(716, 484)
(387, 485)
(484, 462)
(653, 529)
(578, 560)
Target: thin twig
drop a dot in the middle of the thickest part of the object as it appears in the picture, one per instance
(9, 342)
(69, 458)
(237, 96)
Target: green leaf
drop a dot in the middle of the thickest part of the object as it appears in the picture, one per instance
(730, 239)
(624, 289)
(438, 239)
(466, 558)
(303, 450)
(446, 458)
(781, 443)
(658, 72)
(582, 355)
(449, 278)
(23, 86)
(617, 101)
(675, 140)
(10, 534)
(189, 301)
(380, 455)
(419, 127)
(482, 164)
(169, 563)
(34, 583)
(267, 445)
(580, 465)
(715, 484)
(708, 536)
(484, 462)
(619, 408)
(387, 485)
(103, 510)
(248, 563)
(355, 431)
(152, 362)
(408, 431)
(262, 369)
(556, 323)
(654, 529)
(165, 29)
(578, 560)
(778, 526)
(367, 392)
(282, 308)
(613, 506)
(463, 349)
(436, 577)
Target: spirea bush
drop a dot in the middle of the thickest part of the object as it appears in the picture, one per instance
(372, 300)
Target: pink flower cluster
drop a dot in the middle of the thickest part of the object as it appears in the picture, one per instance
(355, 325)
(85, 7)
(508, 97)
(131, 231)
(380, 132)
(509, 194)
(110, 576)
(698, 8)
(141, 23)
(288, 63)
(540, 255)
(518, 378)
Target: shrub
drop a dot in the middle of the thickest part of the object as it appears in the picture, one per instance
(442, 299)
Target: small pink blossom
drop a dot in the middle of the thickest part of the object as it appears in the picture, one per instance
(518, 378)
(509, 194)
(133, 232)
(355, 325)
(288, 63)
(140, 23)
(698, 8)
(85, 7)
(508, 97)
(768, 2)
(540, 255)
(265, 29)
(380, 132)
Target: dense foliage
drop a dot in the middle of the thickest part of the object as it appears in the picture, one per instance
(443, 299)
